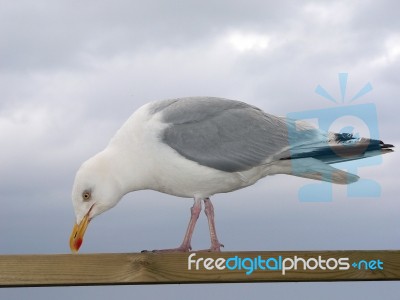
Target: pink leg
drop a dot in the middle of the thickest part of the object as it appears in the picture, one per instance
(209, 210)
(186, 243)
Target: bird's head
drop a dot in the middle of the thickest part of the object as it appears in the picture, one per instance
(95, 191)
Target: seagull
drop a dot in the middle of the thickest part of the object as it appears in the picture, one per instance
(197, 147)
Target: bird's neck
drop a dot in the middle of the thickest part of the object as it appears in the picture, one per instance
(127, 154)
(129, 171)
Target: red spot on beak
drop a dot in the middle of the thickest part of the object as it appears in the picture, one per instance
(78, 243)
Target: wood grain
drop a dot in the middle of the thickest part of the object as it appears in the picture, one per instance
(172, 268)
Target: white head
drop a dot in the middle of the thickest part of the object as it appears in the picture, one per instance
(95, 190)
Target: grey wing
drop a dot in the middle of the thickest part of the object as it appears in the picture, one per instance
(233, 136)
(227, 135)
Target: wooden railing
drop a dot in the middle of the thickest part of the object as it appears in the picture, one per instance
(202, 267)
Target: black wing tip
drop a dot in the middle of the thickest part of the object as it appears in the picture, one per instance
(385, 146)
(344, 137)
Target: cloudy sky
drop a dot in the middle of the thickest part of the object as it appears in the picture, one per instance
(71, 72)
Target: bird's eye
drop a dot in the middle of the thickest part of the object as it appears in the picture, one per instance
(86, 195)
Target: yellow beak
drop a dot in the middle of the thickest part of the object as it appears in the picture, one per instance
(76, 238)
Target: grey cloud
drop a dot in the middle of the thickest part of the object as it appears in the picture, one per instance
(48, 34)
